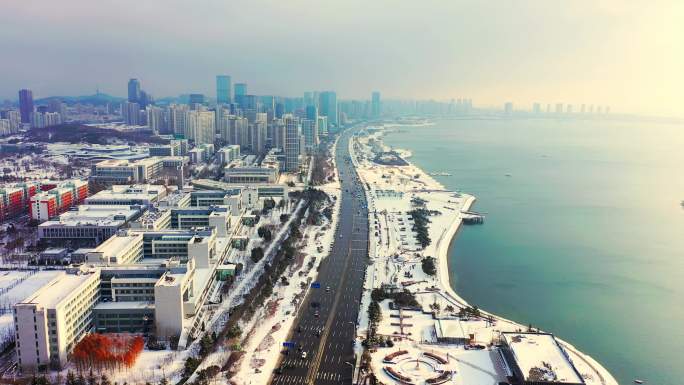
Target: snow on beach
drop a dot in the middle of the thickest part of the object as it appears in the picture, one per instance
(392, 192)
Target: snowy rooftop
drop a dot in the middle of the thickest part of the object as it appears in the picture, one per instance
(449, 328)
(95, 215)
(58, 289)
(141, 192)
(113, 246)
(124, 305)
(540, 358)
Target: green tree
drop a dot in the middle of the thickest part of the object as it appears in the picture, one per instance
(265, 233)
(428, 265)
(256, 254)
(234, 332)
(205, 345)
(374, 313)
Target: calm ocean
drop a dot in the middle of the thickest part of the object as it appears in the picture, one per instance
(584, 234)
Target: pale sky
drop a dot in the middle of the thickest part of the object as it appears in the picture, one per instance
(626, 54)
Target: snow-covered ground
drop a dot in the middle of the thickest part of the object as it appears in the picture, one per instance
(397, 255)
(269, 327)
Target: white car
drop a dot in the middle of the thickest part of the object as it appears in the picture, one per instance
(303, 354)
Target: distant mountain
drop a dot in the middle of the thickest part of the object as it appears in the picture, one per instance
(97, 99)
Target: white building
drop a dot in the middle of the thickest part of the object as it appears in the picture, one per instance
(54, 318)
(118, 250)
(136, 194)
(201, 127)
(120, 171)
(228, 153)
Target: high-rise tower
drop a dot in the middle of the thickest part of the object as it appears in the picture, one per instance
(134, 90)
(223, 89)
(26, 105)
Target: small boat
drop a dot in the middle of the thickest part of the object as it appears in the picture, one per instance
(638, 381)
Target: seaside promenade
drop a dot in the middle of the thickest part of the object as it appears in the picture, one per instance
(393, 191)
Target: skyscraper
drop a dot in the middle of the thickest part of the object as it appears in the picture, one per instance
(328, 107)
(240, 92)
(133, 90)
(232, 128)
(375, 105)
(310, 132)
(155, 118)
(144, 99)
(292, 142)
(311, 112)
(322, 125)
(223, 89)
(131, 113)
(240, 89)
(196, 99)
(279, 110)
(178, 119)
(257, 136)
(308, 99)
(56, 105)
(201, 127)
(26, 105)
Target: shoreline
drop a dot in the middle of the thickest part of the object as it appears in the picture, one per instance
(443, 245)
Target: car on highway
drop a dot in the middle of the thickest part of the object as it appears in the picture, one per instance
(327, 288)
(303, 354)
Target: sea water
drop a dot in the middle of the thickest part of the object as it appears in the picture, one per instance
(584, 230)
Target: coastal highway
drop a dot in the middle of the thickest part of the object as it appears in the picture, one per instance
(325, 326)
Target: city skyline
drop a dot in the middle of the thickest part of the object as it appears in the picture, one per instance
(594, 53)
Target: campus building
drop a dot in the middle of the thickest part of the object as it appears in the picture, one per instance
(130, 195)
(109, 172)
(53, 319)
(89, 225)
(250, 175)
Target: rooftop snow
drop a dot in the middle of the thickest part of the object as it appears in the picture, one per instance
(541, 358)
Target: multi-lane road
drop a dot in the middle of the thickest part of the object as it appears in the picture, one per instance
(325, 327)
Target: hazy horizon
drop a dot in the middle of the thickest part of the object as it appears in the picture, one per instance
(614, 53)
